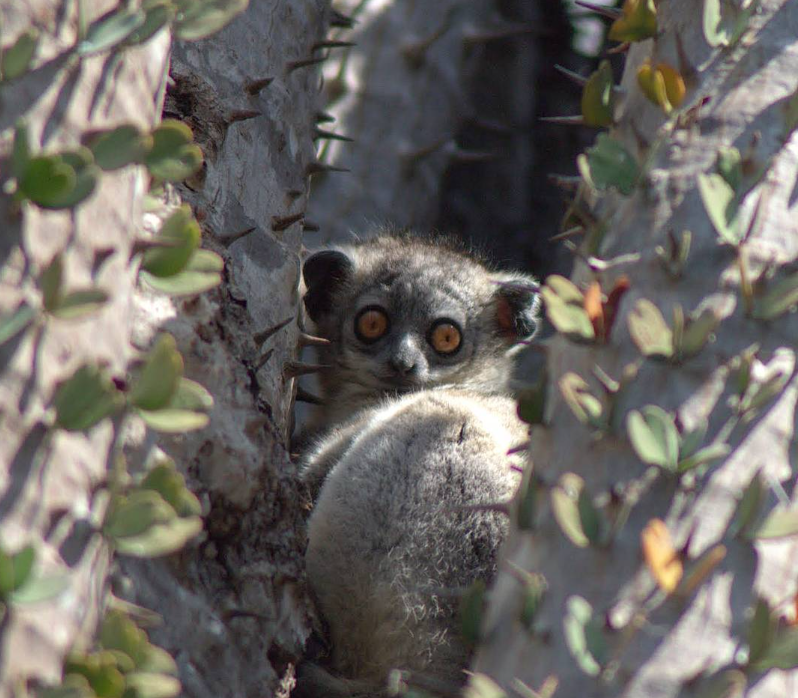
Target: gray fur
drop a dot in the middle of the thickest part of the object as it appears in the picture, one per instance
(416, 280)
(391, 538)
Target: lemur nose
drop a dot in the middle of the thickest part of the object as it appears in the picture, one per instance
(403, 364)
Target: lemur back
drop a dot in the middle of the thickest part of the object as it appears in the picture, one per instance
(416, 427)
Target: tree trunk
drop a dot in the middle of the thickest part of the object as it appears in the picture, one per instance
(641, 642)
(47, 478)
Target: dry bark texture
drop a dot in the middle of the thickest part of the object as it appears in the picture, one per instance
(739, 97)
(235, 610)
(46, 480)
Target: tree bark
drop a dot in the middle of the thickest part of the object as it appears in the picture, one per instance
(736, 96)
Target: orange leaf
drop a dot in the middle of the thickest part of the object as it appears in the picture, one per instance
(661, 556)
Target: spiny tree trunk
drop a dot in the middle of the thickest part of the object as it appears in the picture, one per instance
(639, 643)
(234, 606)
(46, 479)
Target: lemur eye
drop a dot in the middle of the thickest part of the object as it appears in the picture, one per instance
(371, 324)
(445, 337)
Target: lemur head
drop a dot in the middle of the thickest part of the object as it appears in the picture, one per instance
(406, 313)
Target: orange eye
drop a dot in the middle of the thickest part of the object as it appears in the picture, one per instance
(445, 338)
(371, 324)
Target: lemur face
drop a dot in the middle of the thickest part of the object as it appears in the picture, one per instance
(406, 314)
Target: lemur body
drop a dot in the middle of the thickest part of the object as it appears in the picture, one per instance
(416, 428)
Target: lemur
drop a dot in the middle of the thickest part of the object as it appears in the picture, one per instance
(415, 430)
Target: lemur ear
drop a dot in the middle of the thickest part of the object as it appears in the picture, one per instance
(324, 272)
(517, 307)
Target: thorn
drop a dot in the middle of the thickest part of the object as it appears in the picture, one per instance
(322, 117)
(339, 19)
(460, 155)
(415, 52)
(565, 182)
(308, 340)
(261, 362)
(571, 75)
(303, 395)
(230, 239)
(492, 126)
(316, 167)
(564, 120)
(508, 32)
(414, 156)
(576, 230)
(294, 194)
(608, 12)
(293, 65)
(520, 448)
(332, 44)
(318, 133)
(241, 115)
(280, 223)
(310, 226)
(292, 369)
(261, 337)
(255, 86)
(620, 48)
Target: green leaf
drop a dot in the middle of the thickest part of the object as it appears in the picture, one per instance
(708, 454)
(781, 653)
(697, 332)
(715, 31)
(597, 97)
(171, 485)
(15, 569)
(39, 589)
(16, 59)
(50, 281)
(158, 378)
(759, 394)
(654, 437)
(158, 16)
(730, 166)
(85, 399)
(47, 181)
(100, 670)
(21, 150)
(110, 31)
(160, 539)
(587, 408)
(78, 303)
(121, 146)
(749, 506)
(146, 685)
(534, 589)
(192, 280)
(608, 164)
(782, 297)
(780, 523)
(472, 605)
(720, 202)
(197, 19)
(730, 683)
(649, 331)
(179, 237)
(18, 321)
(190, 395)
(690, 441)
(171, 421)
(136, 513)
(173, 155)
(583, 636)
(565, 499)
(638, 22)
(564, 305)
(761, 631)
